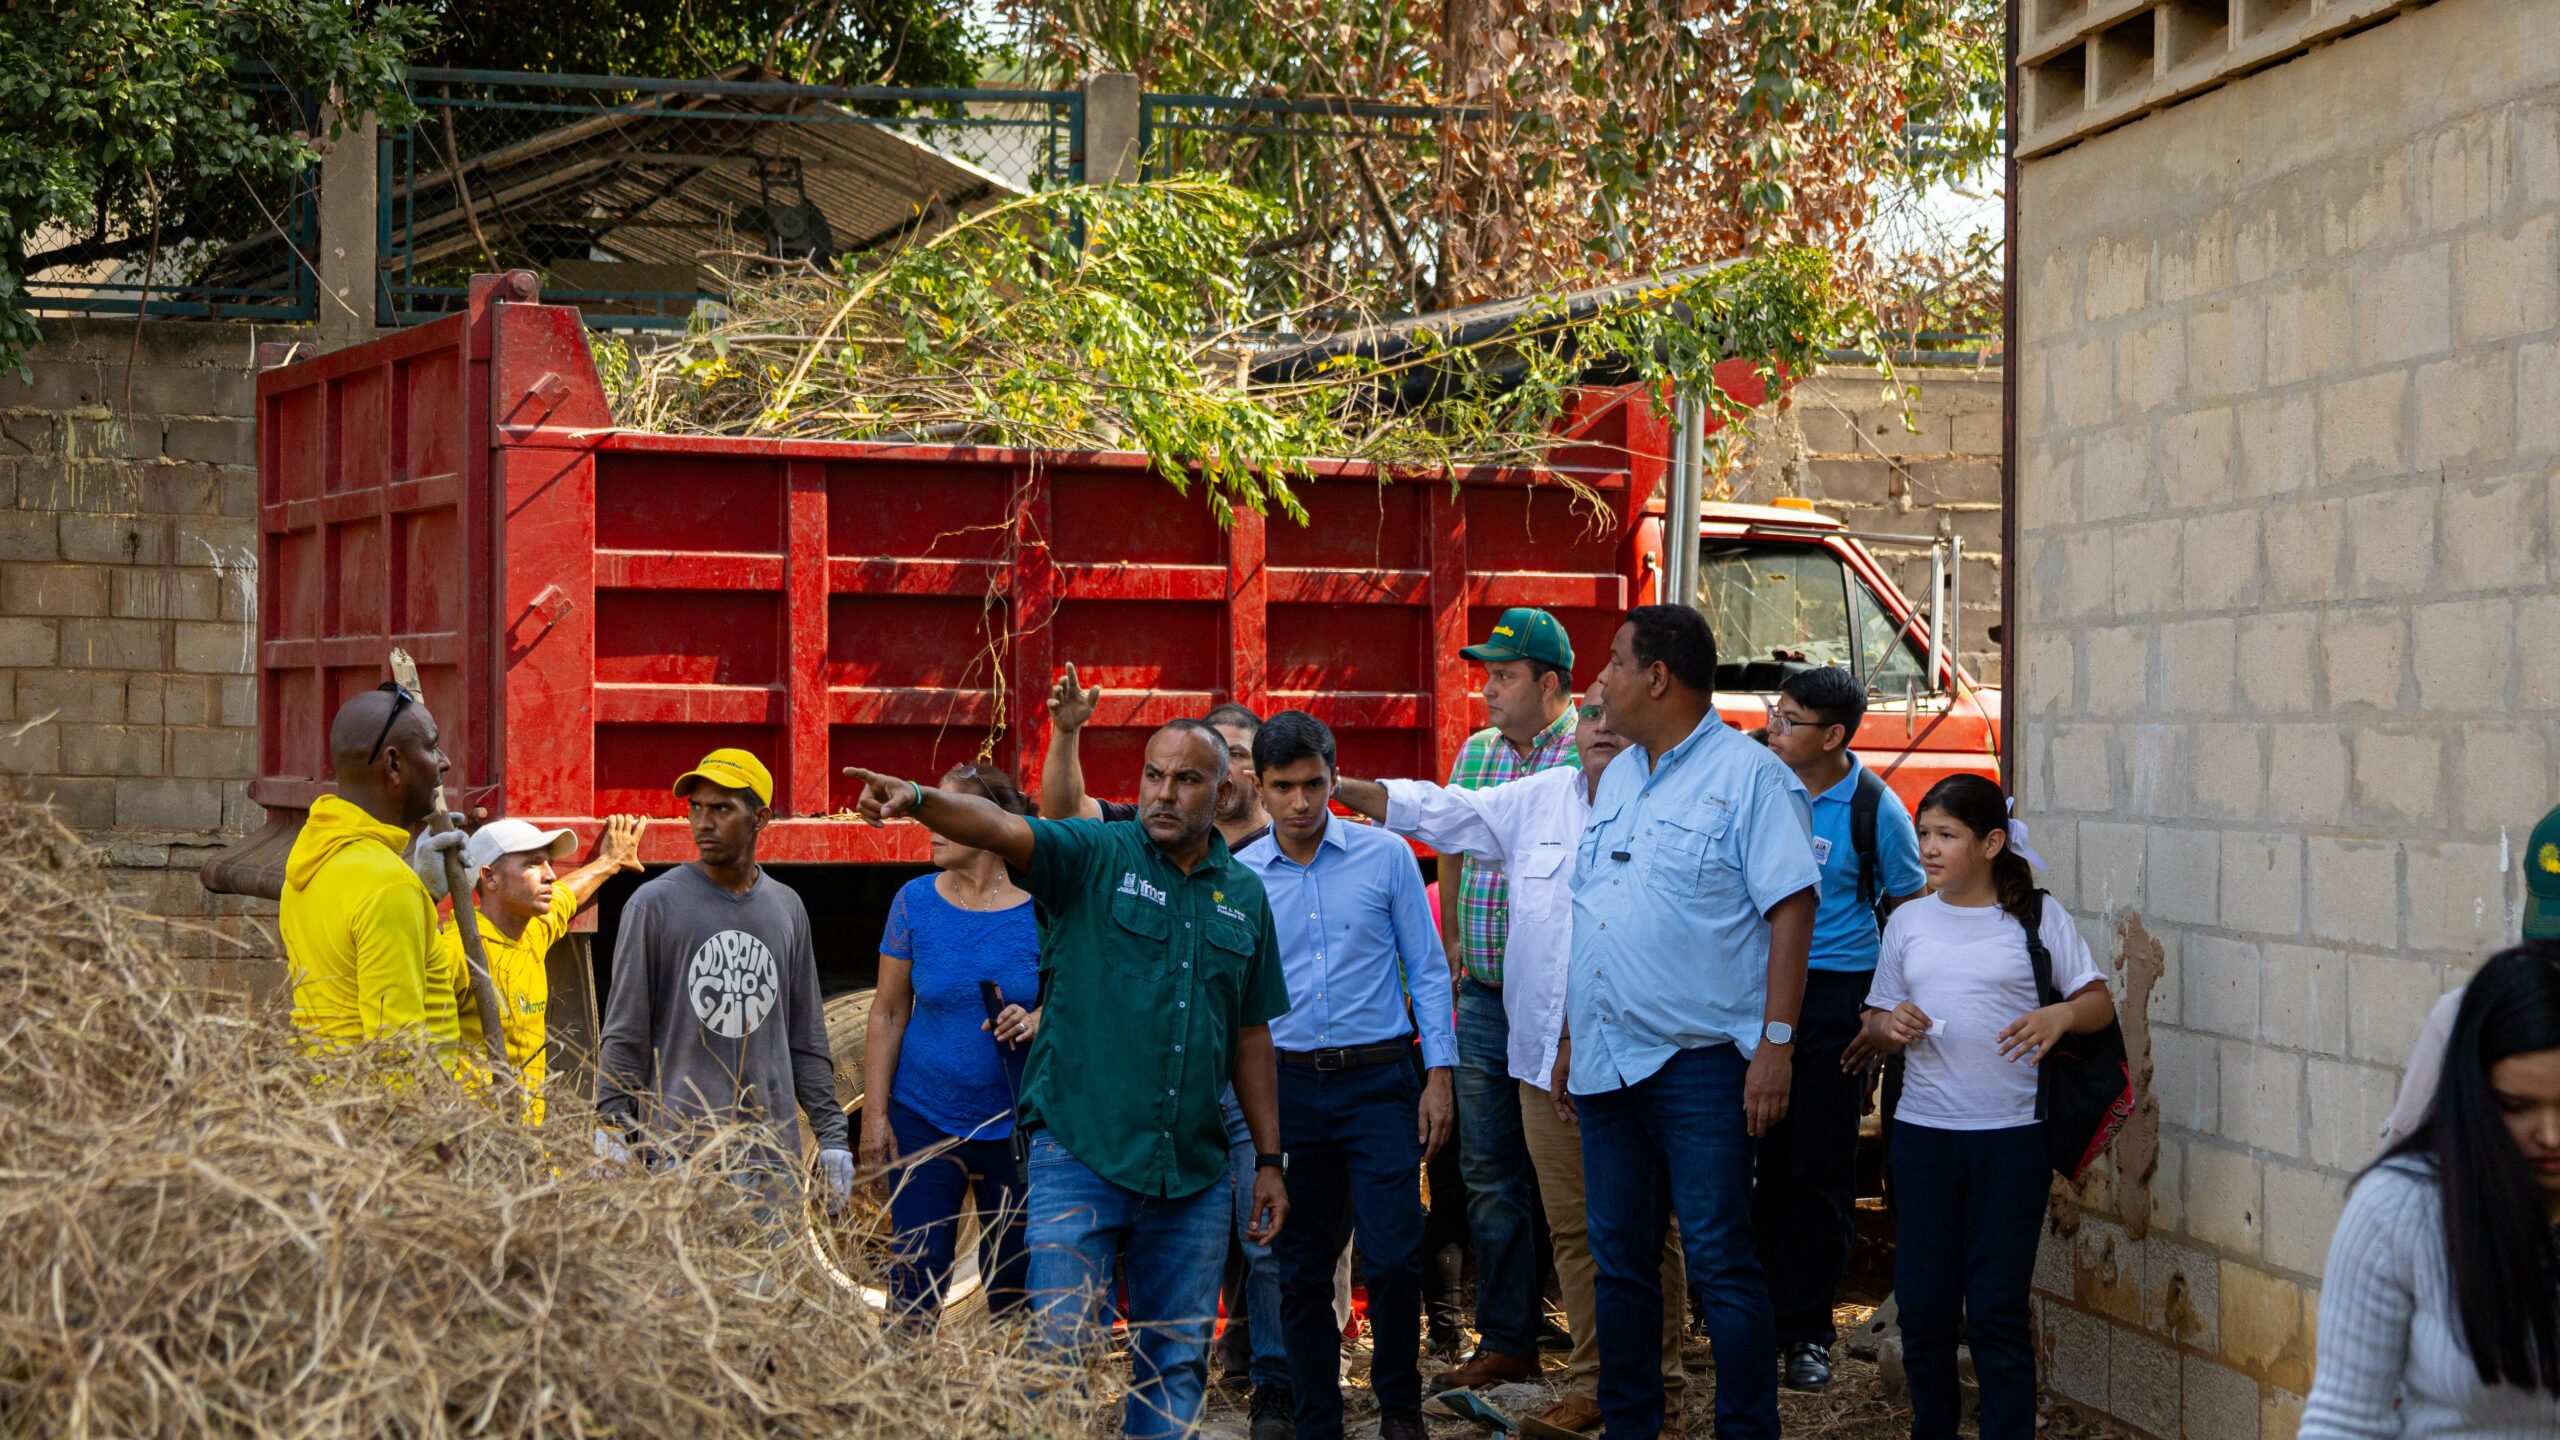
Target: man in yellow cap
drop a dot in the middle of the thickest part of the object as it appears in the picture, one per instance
(359, 928)
(714, 1016)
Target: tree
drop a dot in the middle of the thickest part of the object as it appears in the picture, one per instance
(825, 42)
(1122, 317)
(126, 123)
(1600, 141)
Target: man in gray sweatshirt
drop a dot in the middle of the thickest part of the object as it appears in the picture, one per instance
(714, 1014)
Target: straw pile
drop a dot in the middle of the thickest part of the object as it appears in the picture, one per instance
(205, 1232)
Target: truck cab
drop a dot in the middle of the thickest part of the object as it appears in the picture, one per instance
(1787, 588)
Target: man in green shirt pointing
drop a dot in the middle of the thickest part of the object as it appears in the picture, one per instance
(1160, 976)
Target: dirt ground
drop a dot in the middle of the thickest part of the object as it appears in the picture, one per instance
(1855, 1407)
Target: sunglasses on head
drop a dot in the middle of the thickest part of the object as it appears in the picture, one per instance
(401, 700)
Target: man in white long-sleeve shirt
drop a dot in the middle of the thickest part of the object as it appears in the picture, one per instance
(1529, 827)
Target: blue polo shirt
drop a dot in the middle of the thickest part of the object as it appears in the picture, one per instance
(1844, 929)
(1672, 887)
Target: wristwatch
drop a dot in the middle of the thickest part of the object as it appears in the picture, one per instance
(1778, 1032)
(1265, 1160)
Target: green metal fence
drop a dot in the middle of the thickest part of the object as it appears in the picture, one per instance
(246, 254)
(633, 197)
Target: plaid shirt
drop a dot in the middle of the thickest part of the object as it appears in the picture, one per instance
(1484, 896)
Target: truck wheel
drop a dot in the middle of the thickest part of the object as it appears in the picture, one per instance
(848, 1032)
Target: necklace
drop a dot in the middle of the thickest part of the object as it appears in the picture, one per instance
(995, 894)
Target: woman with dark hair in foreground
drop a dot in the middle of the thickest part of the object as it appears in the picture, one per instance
(2437, 1314)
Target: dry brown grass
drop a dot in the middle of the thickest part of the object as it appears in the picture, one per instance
(204, 1231)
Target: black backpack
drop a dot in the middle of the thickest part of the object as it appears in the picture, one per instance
(1863, 802)
(2084, 1089)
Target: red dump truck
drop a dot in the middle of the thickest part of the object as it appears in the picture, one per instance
(592, 608)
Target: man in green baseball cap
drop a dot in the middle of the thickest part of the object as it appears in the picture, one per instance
(1528, 697)
(2542, 880)
(1526, 634)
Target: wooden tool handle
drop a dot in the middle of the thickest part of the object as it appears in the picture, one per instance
(466, 919)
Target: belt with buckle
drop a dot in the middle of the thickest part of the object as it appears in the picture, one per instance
(1348, 1057)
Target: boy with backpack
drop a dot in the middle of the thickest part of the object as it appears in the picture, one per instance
(1804, 1201)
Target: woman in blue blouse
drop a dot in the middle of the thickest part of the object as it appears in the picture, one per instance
(938, 1080)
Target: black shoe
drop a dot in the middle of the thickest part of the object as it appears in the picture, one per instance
(1554, 1339)
(1808, 1366)
(1405, 1426)
(1447, 1342)
(1271, 1413)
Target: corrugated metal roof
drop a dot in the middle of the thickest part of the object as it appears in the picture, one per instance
(668, 183)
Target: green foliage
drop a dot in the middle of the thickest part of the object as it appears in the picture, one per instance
(1616, 139)
(124, 121)
(829, 42)
(1004, 330)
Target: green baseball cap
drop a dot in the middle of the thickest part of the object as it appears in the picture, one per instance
(1525, 634)
(2542, 880)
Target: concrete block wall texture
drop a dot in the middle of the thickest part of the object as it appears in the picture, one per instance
(128, 603)
(2288, 669)
(1925, 464)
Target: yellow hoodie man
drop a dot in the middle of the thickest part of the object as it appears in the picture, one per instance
(360, 932)
(359, 928)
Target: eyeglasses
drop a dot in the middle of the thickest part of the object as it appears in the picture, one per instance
(401, 700)
(1787, 724)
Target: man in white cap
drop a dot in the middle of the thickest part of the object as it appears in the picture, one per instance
(524, 908)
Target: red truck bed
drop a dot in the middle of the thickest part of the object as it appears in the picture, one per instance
(593, 608)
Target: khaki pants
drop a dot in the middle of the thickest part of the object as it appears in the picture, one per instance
(1555, 1152)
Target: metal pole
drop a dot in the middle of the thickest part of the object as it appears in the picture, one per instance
(1955, 608)
(1937, 614)
(1680, 507)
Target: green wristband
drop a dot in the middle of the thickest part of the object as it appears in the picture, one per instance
(918, 807)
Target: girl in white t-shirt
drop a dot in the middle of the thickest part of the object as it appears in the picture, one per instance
(1955, 996)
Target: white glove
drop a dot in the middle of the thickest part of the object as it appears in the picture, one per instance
(609, 1146)
(427, 858)
(837, 1167)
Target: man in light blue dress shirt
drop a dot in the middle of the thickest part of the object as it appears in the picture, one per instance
(1694, 892)
(1357, 1117)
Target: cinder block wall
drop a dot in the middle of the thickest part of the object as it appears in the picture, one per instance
(2288, 669)
(1928, 464)
(128, 597)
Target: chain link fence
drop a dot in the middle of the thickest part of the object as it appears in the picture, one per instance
(632, 197)
(245, 253)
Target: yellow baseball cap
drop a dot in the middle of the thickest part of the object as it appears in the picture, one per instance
(736, 769)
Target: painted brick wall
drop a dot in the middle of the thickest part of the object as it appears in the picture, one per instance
(128, 591)
(2289, 662)
(1928, 466)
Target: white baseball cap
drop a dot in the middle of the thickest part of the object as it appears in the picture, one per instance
(514, 837)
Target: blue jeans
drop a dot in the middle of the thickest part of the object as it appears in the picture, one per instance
(1262, 1272)
(925, 1208)
(1675, 1142)
(1502, 1186)
(1169, 1249)
(1355, 1167)
(1968, 1210)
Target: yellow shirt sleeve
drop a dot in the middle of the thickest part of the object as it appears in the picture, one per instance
(544, 930)
(454, 973)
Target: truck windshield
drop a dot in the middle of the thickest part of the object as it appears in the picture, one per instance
(1777, 609)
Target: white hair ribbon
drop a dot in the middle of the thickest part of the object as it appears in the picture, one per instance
(2018, 838)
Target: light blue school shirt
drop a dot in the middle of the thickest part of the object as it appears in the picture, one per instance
(1356, 939)
(1845, 938)
(1671, 944)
